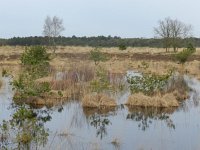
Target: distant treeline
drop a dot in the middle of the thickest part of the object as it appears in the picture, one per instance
(99, 41)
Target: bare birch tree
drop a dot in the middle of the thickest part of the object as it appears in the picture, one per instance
(53, 27)
(164, 31)
(171, 31)
(179, 30)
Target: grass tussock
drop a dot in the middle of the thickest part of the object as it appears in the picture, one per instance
(49, 101)
(139, 99)
(170, 94)
(117, 64)
(97, 101)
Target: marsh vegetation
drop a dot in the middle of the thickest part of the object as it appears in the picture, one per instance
(83, 101)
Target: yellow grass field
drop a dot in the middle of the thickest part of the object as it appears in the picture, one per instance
(8, 50)
(119, 62)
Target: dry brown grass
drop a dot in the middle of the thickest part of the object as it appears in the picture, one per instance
(155, 67)
(197, 51)
(49, 100)
(139, 99)
(11, 69)
(98, 100)
(114, 65)
(121, 66)
(8, 50)
(11, 50)
(178, 87)
(61, 85)
(76, 79)
(115, 50)
(71, 86)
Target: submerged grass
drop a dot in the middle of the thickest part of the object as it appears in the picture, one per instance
(116, 143)
(1, 83)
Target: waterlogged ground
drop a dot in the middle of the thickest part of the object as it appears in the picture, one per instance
(72, 127)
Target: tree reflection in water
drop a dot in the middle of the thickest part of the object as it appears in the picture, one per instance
(100, 123)
(146, 116)
(25, 130)
(98, 118)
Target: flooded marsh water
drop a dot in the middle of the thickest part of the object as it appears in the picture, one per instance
(70, 126)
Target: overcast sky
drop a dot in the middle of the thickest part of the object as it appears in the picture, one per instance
(125, 18)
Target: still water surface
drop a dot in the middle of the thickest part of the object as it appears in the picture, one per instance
(73, 127)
